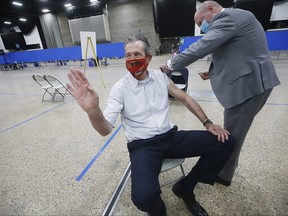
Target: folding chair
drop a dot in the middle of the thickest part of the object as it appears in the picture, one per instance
(169, 164)
(59, 88)
(44, 85)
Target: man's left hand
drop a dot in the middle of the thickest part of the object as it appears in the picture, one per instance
(204, 75)
(164, 69)
(218, 131)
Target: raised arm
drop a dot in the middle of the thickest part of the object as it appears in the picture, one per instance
(88, 99)
(195, 108)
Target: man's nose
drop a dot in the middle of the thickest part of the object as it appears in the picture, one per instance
(133, 57)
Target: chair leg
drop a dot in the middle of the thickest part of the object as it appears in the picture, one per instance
(54, 94)
(66, 92)
(182, 170)
(57, 92)
(46, 91)
(44, 95)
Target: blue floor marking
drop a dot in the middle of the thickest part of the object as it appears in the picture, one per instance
(98, 154)
(9, 94)
(276, 104)
(30, 119)
(269, 104)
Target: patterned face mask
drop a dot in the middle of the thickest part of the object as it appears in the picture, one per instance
(136, 67)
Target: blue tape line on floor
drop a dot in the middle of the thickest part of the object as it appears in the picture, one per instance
(20, 95)
(98, 154)
(30, 119)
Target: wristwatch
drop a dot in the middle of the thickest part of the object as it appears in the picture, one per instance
(207, 121)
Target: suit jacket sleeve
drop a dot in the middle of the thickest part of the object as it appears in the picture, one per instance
(222, 28)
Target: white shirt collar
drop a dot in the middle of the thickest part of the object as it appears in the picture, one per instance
(136, 82)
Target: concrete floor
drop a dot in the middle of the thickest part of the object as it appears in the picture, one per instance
(52, 162)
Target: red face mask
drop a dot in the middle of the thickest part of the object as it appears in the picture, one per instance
(136, 67)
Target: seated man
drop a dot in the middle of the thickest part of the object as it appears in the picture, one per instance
(141, 98)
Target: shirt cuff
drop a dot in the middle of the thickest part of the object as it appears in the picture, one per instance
(169, 65)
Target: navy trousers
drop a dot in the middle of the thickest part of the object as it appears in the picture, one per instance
(146, 159)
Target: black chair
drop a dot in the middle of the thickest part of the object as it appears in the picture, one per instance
(180, 78)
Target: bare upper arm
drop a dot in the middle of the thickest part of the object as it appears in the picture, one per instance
(176, 92)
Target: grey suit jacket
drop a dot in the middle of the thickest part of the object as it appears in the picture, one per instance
(241, 66)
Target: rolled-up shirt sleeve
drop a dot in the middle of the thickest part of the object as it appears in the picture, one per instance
(114, 105)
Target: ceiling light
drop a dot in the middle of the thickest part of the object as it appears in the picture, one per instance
(23, 19)
(7, 22)
(17, 3)
(93, 0)
(68, 5)
(45, 10)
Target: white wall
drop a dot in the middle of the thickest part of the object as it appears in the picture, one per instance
(33, 37)
(197, 31)
(279, 11)
(2, 45)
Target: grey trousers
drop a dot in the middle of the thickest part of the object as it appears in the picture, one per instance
(237, 120)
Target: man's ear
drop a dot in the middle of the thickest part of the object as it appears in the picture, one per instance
(149, 58)
(210, 8)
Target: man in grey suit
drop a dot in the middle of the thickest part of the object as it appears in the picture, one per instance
(242, 74)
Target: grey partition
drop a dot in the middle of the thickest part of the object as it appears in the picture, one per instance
(98, 24)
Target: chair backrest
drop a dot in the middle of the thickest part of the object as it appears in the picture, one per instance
(52, 80)
(40, 80)
(56, 84)
(177, 78)
(180, 76)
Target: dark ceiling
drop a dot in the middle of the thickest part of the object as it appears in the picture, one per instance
(31, 9)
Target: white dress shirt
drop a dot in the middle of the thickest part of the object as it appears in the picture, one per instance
(143, 105)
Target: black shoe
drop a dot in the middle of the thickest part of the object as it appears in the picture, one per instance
(189, 200)
(223, 181)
